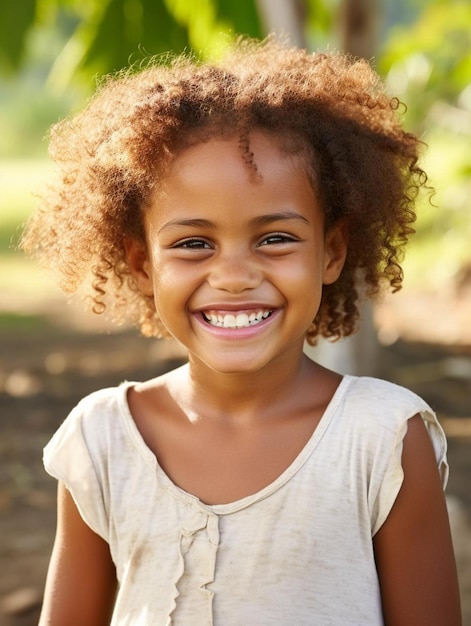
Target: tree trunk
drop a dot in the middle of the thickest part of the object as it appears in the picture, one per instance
(284, 18)
(358, 26)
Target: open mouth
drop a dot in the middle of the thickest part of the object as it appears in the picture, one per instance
(236, 320)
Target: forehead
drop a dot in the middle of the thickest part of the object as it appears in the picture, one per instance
(257, 158)
(213, 181)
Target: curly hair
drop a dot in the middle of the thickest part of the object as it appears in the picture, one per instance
(111, 157)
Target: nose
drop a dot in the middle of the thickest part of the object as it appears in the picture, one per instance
(235, 272)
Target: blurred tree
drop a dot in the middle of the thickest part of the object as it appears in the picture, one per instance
(102, 36)
(16, 20)
(428, 64)
(359, 22)
(105, 35)
(52, 50)
(425, 63)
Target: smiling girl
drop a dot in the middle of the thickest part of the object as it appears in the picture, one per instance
(238, 207)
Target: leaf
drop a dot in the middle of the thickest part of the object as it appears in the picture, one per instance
(242, 16)
(117, 34)
(17, 18)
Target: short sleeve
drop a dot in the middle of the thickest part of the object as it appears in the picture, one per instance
(67, 458)
(386, 484)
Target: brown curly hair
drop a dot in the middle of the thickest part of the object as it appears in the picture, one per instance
(112, 156)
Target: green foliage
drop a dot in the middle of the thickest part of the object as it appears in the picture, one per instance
(28, 106)
(19, 180)
(320, 22)
(115, 34)
(16, 20)
(23, 322)
(441, 246)
(431, 60)
(428, 65)
(106, 35)
(244, 20)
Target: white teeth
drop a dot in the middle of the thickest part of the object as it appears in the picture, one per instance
(230, 321)
(242, 320)
(239, 320)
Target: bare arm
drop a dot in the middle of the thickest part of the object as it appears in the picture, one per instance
(81, 581)
(414, 552)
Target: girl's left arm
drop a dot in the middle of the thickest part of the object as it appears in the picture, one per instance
(413, 549)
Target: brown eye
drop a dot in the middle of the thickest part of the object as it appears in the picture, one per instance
(277, 238)
(193, 244)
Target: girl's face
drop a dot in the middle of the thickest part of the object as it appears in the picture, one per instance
(236, 263)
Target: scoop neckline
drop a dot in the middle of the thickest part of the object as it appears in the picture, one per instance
(231, 507)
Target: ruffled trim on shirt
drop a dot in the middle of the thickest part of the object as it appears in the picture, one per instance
(199, 534)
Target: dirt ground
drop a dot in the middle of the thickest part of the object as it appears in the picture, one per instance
(46, 368)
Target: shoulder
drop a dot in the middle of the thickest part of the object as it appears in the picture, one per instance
(88, 426)
(381, 411)
(376, 415)
(384, 396)
(96, 409)
(379, 415)
(80, 451)
(382, 408)
(103, 401)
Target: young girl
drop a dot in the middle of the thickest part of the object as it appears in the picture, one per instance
(237, 207)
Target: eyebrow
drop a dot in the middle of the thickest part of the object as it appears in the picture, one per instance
(196, 223)
(262, 220)
(278, 217)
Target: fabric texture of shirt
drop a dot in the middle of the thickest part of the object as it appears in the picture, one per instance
(299, 551)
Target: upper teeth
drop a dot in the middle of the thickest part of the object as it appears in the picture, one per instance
(239, 320)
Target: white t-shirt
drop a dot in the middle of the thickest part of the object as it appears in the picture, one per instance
(298, 552)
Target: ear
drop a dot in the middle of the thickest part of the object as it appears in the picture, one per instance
(139, 265)
(335, 252)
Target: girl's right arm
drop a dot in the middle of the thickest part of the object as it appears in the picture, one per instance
(81, 581)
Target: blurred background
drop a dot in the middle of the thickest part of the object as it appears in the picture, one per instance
(52, 53)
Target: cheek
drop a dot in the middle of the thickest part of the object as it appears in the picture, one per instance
(301, 283)
(173, 286)
(308, 270)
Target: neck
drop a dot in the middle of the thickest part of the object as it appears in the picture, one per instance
(242, 397)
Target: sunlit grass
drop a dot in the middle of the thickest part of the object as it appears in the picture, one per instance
(21, 321)
(21, 275)
(19, 181)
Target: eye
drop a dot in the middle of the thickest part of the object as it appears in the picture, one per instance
(193, 243)
(276, 238)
